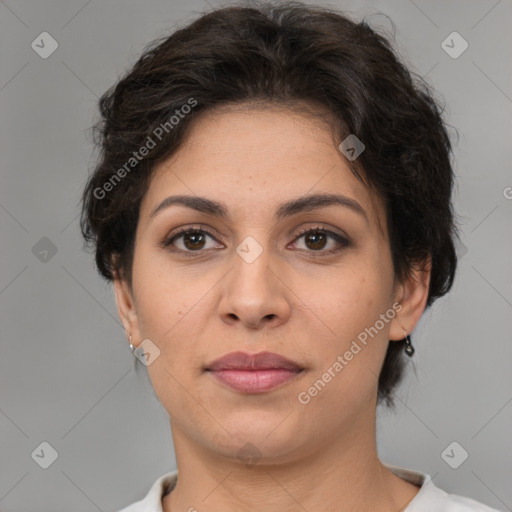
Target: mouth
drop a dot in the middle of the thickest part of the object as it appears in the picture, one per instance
(254, 373)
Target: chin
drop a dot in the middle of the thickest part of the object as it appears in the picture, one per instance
(260, 435)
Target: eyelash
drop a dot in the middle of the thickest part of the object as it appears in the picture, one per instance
(344, 243)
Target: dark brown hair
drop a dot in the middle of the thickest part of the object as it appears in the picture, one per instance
(281, 53)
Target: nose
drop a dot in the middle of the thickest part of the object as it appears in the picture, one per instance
(255, 294)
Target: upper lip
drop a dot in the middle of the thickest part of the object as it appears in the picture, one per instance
(261, 361)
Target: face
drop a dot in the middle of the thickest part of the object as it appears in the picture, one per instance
(303, 282)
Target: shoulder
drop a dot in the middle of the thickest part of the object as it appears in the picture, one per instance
(134, 507)
(152, 502)
(441, 501)
(431, 498)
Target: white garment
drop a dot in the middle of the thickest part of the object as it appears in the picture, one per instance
(429, 498)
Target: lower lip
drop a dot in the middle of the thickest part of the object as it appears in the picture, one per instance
(255, 381)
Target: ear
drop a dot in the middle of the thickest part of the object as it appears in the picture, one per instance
(412, 295)
(126, 308)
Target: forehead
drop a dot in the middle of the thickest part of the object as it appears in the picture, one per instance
(253, 158)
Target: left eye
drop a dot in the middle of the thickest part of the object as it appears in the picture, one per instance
(316, 240)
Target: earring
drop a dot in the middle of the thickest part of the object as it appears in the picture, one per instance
(408, 348)
(132, 348)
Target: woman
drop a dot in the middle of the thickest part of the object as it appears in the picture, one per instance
(273, 206)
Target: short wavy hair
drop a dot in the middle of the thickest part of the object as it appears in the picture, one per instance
(281, 54)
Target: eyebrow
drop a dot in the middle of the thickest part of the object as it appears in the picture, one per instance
(293, 207)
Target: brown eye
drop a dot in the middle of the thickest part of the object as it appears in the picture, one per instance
(317, 240)
(194, 240)
(189, 240)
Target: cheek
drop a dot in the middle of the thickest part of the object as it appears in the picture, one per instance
(165, 299)
(349, 306)
(350, 297)
(173, 309)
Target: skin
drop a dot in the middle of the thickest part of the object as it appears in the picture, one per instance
(295, 299)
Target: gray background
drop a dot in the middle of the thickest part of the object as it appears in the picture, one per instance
(66, 373)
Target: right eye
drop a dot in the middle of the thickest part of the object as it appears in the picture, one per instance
(188, 240)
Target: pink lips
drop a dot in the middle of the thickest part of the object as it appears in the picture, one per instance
(254, 373)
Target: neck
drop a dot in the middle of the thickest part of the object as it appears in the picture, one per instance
(342, 475)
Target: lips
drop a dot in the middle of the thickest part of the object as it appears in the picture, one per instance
(248, 362)
(254, 373)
